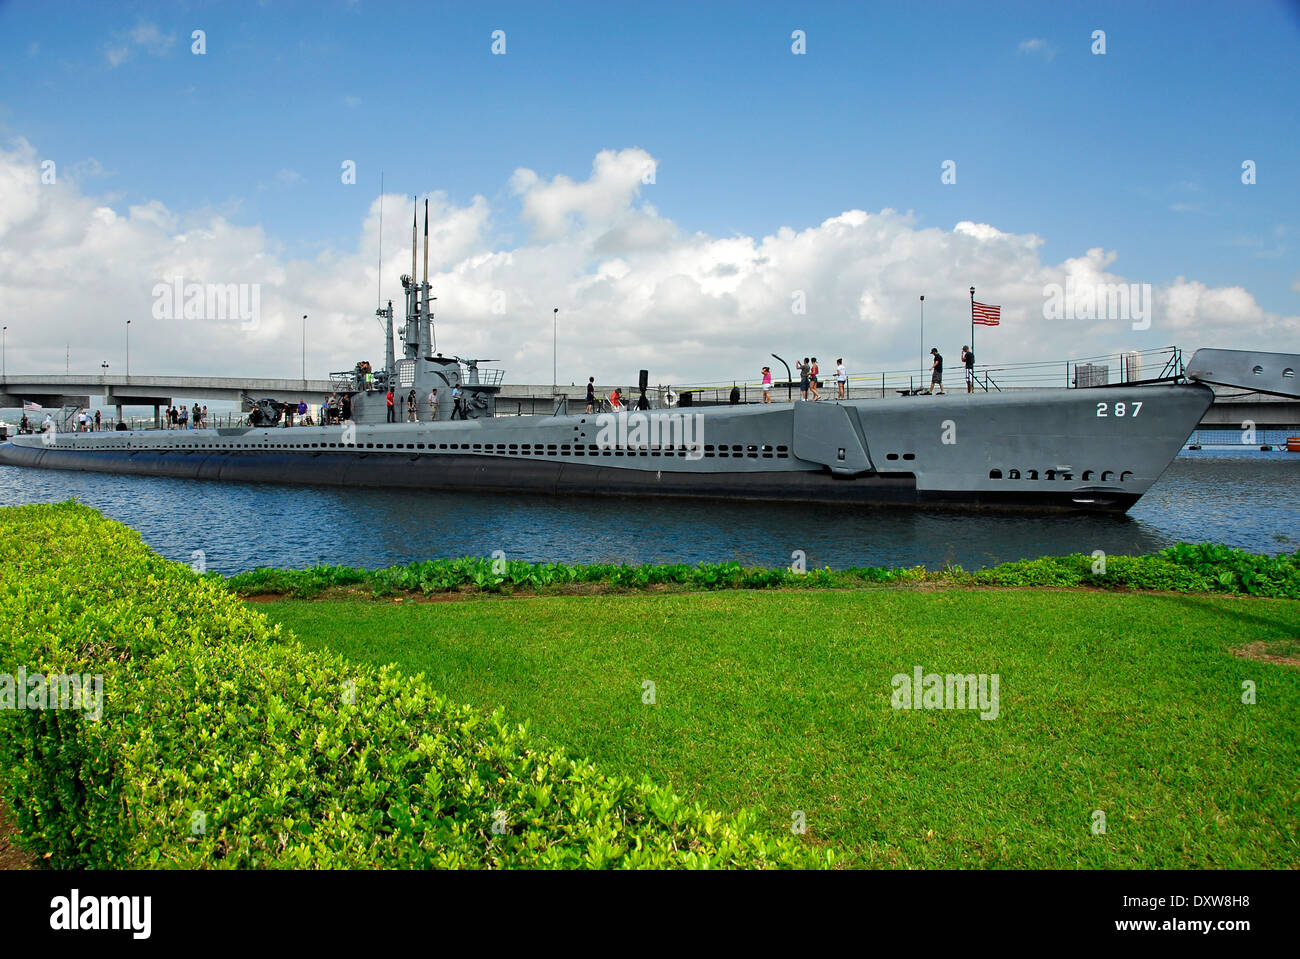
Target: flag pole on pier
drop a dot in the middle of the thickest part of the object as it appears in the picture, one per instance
(972, 319)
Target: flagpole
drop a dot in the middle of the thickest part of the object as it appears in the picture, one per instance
(972, 319)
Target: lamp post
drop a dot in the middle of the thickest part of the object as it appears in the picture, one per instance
(555, 350)
(304, 349)
(4, 350)
(128, 349)
(922, 337)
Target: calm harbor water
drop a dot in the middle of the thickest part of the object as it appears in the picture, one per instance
(1246, 499)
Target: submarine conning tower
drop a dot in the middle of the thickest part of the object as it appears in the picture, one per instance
(420, 367)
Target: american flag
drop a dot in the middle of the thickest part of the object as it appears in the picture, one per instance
(30, 407)
(985, 315)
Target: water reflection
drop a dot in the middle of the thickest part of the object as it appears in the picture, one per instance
(1251, 500)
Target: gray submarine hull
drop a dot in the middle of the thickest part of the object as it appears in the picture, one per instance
(1079, 449)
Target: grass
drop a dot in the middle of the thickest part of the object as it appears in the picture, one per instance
(1126, 703)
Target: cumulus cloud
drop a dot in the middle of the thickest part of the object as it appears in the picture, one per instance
(634, 290)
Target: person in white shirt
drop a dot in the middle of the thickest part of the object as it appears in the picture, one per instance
(433, 404)
(841, 378)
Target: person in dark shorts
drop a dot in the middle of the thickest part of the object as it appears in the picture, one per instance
(936, 374)
(968, 361)
(804, 368)
(591, 394)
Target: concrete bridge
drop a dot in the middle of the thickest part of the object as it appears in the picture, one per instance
(53, 391)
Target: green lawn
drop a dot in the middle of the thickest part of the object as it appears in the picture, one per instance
(1125, 703)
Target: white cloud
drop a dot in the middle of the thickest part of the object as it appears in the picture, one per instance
(143, 36)
(1037, 46)
(633, 289)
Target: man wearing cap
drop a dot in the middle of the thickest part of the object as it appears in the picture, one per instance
(936, 374)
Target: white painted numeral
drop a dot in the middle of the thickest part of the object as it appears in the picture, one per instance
(1121, 409)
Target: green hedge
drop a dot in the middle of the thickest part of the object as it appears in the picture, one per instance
(1181, 568)
(285, 758)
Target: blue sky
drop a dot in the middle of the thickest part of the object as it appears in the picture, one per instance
(1137, 151)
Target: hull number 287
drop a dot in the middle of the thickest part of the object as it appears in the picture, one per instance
(1119, 409)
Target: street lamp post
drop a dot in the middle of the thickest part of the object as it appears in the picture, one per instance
(555, 351)
(923, 338)
(304, 349)
(128, 349)
(4, 351)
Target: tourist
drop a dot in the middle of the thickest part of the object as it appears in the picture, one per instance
(205, 416)
(345, 406)
(591, 394)
(185, 417)
(936, 371)
(24, 425)
(98, 421)
(812, 380)
(412, 409)
(302, 413)
(433, 405)
(841, 379)
(48, 425)
(767, 384)
(615, 400)
(388, 398)
(968, 361)
(804, 368)
(457, 403)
